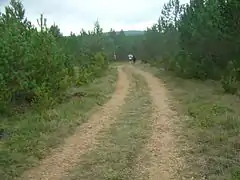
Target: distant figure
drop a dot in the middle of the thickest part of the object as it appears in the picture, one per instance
(130, 57)
(115, 56)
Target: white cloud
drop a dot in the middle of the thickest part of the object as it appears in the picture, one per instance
(73, 15)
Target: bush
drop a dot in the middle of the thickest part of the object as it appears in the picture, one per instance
(229, 80)
(229, 84)
(37, 67)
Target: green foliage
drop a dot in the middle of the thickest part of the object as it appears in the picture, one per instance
(229, 80)
(37, 66)
(123, 43)
(197, 40)
(201, 40)
(229, 84)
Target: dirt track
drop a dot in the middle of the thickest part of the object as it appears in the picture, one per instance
(164, 161)
(64, 158)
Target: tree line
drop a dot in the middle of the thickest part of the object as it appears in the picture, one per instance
(199, 40)
(196, 40)
(38, 65)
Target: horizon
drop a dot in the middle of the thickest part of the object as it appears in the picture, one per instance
(125, 31)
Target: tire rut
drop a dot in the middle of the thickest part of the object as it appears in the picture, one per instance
(65, 157)
(164, 160)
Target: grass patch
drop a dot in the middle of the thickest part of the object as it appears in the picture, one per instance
(30, 136)
(117, 150)
(211, 126)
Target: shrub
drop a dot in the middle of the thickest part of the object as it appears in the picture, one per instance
(37, 67)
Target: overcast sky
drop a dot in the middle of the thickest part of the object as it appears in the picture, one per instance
(72, 15)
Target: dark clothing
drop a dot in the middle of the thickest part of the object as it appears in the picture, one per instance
(134, 59)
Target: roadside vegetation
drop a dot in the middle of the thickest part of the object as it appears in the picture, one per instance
(209, 119)
(194, 47)
(49, 84)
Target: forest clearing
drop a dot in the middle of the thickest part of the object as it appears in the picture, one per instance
(72, 107)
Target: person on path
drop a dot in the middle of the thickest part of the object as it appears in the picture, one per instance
(130, 57)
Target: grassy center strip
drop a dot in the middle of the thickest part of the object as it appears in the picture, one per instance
(116, 154)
